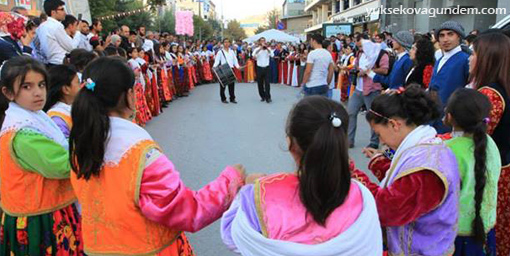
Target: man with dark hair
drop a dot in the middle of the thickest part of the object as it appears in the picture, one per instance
(70, 25)
(53, 40)
(262, 55)
(124, 35)
(227, 56)
(81, 36)
(452, 70)
(140, 39)
(319, 68)
(96, 28)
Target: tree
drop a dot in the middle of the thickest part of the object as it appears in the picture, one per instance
(261, 29)
(216, 26)
(272, 19)
(99, 8)
(234, 31)
(202, 28)
(167, 22)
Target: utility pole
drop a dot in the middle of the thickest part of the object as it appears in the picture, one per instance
(200, 16)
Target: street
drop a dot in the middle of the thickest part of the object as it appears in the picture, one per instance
(201, 136)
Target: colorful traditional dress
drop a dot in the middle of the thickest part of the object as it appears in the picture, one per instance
(284, 68)
(60, 113)
(249, 74)
(206, 67)
(344, 77)
(145, 215)
(269, 219)
(499, 126)
(274, 65)
(142, 110)
(418, 197)
(36, 195)
(293, 69)
(463, 148)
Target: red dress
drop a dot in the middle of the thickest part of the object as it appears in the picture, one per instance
(206, 70)
(499, 120)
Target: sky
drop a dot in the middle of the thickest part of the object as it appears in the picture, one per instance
(238, 9)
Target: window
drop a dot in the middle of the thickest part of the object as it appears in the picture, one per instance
(346, 4)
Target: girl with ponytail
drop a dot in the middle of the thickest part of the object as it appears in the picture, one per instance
(479, 167)
(121, 174)
(417, 199)
(37, 197)
(317, 210)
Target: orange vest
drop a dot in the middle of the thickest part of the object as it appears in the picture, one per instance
(26, 193)
(67, 119)
(112, 222)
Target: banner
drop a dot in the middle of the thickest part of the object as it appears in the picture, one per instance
(184, 23)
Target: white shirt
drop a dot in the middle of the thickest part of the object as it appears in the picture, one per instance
(262, 56)
(320, 59)
(148, 46)
(447, 56)
(400, 55)
(54, 41)
(231, 59)
(82, 42)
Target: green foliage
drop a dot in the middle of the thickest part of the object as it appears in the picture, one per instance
(272, 18)
(202, 27)
(261, 29)
(167, 22)
(234, 31)
(99, 8)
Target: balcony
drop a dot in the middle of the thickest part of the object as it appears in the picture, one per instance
(310, 4)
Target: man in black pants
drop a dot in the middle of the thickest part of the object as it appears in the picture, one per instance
(262, 54)
(226, 55)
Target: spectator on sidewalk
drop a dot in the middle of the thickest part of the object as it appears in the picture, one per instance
(402, 43)
(319, 69)
(55, 43)
(452, 70)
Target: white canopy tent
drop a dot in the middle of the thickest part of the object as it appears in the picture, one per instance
(273, 34)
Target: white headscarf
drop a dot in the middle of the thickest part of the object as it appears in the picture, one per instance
(370, 53)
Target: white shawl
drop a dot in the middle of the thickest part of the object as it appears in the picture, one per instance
(364, 237)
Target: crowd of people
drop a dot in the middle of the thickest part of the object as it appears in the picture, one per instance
(79, 175)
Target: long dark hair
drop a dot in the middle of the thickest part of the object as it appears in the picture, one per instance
(413, 105)
(469, 110)
(60, 76)
(91, 123)
(493, 60)
(13, 70)
(80, 58)
(324, 176)
(424, 53)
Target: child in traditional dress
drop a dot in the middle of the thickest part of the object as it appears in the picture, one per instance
(417, 199)
(479, 167)
(142, 110)
(64, 86)
(317, 210)
(121, 175)
(37, 198)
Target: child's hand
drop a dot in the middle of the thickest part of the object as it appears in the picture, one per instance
(240, 169)
(370, 152)
(253, 177)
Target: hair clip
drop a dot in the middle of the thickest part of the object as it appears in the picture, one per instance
(486, 120)
(335, 120)
(89, 84)
(400, 90)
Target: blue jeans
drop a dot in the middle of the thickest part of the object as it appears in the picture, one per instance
(318, 90)
(354, 105)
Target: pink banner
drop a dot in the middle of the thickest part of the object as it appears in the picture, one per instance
(184, 23)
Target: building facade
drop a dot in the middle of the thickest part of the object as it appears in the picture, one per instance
(367, 15)
(204, 8)
(294, 17)
(35, 7)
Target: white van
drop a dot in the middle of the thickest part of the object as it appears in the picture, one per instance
(503, 24)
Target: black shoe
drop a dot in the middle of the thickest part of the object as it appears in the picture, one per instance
(225, 101)
(351, 145)
(374, 146)
(233, 101)
(262, 100)
(269, 101)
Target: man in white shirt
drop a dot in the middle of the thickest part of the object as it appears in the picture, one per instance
(226, 55)
(262, 55)
(81, 39)
(319, 69)
(55, 43)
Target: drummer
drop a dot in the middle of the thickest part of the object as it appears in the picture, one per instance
(227, 55)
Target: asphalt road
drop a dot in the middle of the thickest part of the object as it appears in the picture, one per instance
(201, 136)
